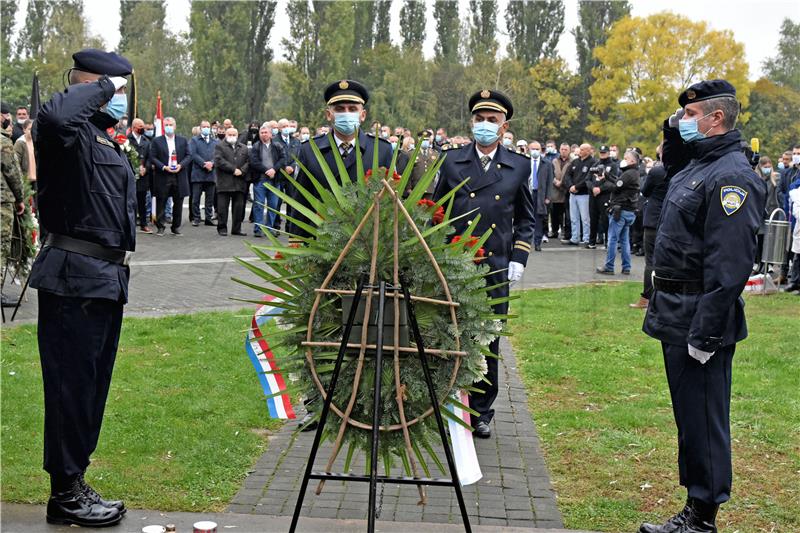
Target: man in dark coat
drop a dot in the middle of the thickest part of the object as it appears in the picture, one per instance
(704, 251)
(170, 157)
(267, 159)
(203, 177)
(499, 188)
(144, 175)
(87, 206)
(541, 184)
(232, 163)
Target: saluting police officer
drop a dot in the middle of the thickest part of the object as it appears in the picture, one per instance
(498, 188)
(346, 102)
(87, 205)
(704, 251)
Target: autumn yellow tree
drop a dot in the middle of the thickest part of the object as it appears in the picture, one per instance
(646, 63)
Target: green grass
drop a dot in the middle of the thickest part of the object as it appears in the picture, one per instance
(598, 393)
(185, 418)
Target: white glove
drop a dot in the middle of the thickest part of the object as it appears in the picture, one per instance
(700, 355)
(515, 271)
(118, 81)
(676, 117)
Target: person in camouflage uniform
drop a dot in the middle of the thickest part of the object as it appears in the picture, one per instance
(11, 186)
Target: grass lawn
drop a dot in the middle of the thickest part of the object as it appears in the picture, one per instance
(599, 395)
(184, 423)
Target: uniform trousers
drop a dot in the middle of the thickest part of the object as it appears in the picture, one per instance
(649, 242)
(78, 340)
(598, 216)
(234, 200)
(701, 400)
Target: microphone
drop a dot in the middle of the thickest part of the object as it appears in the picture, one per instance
(754, 145)
(755, 157)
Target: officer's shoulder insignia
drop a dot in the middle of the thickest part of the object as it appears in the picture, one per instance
(620, 183)
(732, 198)
(103, 140)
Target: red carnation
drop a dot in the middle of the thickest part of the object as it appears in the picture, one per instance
(367, 175)
(121, 138)
(426, 203)
(438, 216)
(278, 256)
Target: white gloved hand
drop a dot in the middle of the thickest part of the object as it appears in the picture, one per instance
(699, 355)
(515, 271)
(118, 81)
(676, 117)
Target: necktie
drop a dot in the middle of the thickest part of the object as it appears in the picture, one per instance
(345, 147)
(534, 180)
(485, 161)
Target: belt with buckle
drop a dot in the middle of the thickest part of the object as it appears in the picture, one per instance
(91, 249)
(677, 286)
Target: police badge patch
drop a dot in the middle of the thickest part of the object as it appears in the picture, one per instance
(731, 198)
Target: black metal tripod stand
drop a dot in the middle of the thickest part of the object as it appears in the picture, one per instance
(373, 478)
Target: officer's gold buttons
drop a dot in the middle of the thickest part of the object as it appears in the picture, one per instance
(494, 226)
(491, 254)
(498, 165)
(472, 195)
(496, 196)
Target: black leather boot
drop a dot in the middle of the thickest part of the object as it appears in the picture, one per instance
(96, 498)
(672, 525)
(68, 505)
(702, 518)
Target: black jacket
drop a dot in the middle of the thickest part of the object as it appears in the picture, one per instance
(654, 189)
(578, 175)
(625, 190)
(142, 147)
(227, 158)
(159, 158)
(86, 190)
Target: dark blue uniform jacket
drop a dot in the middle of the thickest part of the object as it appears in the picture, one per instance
(707, 231)
(86, 191)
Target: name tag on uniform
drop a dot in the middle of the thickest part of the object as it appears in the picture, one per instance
(731, 198)
(103, 140)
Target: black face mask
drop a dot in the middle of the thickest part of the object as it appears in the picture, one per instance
(254, 131)
(6, 123)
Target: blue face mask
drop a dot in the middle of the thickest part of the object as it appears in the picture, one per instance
(346, 123)
(274, 131)
(169, 130)
(287, 131)
(766, 170)
(485, 132)
(426, 144)
(780, 165)
(688, 129)
(506, 142)
(394, 146)
(117, 106)
(438, 138)
(149, 133)
(205, 131)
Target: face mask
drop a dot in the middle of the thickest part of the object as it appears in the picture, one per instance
(231, 140)
(613, 154)
(385, 135)
(426, 144)
(149, 133)
(304, 136)
(506, 142)
(139, 131)
(287, 131)
(623, 164)
(205, 131)
(796, 159)
(535, 153)
(438, 138)
(275, 131)
(21, 120)
(6, 123)
(169, 130)
(688, 129)
(767, 171)
(394, 146)
(253, 131)
(117, 106)
(411, 147)
(485, 132)
(220, 135)
(573, 157)
(781, 166)
(551, 149)
(346, 123)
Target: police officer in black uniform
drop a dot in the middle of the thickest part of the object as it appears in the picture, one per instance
(346, 102)
(704, 251)
(87, 205)
(499, 188)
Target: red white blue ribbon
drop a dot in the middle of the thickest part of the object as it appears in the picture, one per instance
(263, 360)
(467, 466)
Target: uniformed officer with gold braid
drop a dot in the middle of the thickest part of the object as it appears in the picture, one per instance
(499, 188)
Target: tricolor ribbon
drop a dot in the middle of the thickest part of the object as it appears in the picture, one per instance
(469, 471)
(263, 360)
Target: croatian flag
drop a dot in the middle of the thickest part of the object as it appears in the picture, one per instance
(469, 471)
(264, 362)
(158, 119)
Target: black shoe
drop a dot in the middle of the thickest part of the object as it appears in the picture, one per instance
(309, 422)
(590, 246)
(8, 302)
(195, 223)
(222, 232)
(160, 232)
(696, 517)
(626, 272)
(604, 271)
(73, 506)
(537, 247)
(239, 233)
(209, 223)
(482, 430)
(258, 236)
(791, 288)
(176, 232)
(96, 498)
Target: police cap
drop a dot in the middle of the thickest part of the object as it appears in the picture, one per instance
(490, 100)
(101, 62)
(604, 149)
(346, 91)
(706, 89)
